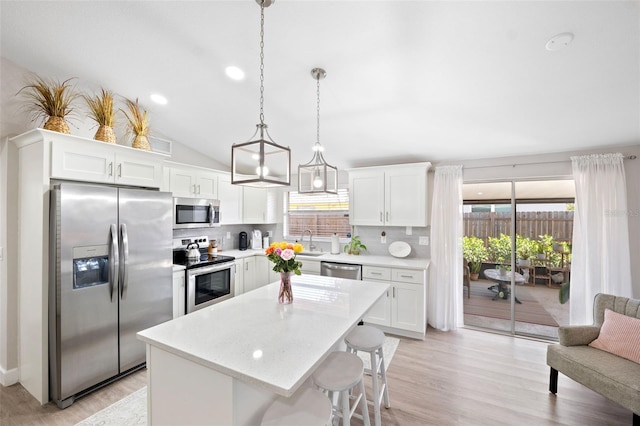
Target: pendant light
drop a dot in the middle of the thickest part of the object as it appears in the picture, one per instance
(261, 162)
(317, 176)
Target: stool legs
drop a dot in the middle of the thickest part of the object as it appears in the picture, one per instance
(378, 382)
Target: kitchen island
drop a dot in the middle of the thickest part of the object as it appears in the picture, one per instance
(225, 364)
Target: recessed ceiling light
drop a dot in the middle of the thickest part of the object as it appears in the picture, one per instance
(234, 73)
(159, 99)
(559, 41)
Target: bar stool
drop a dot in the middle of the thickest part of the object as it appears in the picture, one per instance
(369, 339)
(337, 375)
(306, 407)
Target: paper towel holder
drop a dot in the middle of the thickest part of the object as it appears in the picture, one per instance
(335, 244)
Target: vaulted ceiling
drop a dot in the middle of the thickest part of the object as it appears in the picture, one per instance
(406, 80)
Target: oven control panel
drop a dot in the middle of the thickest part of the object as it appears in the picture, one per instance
(203, 242)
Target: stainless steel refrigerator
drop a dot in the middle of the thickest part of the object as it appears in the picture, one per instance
(110, 277)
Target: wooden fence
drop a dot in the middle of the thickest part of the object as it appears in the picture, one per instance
(528, 224)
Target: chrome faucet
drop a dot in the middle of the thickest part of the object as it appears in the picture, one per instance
(311, 246)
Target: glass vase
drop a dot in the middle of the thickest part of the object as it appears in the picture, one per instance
(285, 295)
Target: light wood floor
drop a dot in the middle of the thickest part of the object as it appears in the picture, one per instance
(466, 377)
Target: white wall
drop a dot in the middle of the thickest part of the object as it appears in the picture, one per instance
(558, 165)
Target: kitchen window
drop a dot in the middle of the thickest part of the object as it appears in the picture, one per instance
(323, 214)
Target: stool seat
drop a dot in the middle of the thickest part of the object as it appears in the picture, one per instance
(338, 374)
(340, 371)
(306, 407)
(365, 338)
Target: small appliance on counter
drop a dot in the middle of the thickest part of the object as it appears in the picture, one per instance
(243, 241)
(256, 239)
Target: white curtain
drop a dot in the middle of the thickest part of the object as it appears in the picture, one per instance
(444, 307)
(600, 253)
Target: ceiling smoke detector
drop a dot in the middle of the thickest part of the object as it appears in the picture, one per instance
(559, 41)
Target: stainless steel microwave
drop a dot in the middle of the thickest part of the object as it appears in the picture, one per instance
(195, 213)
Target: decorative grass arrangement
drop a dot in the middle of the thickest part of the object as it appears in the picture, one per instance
(139, 124)
(52, 100)
(102, 112)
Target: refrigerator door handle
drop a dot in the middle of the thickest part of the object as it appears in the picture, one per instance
(113, 256)
(124, 273)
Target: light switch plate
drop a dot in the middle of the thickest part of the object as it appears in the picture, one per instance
(383, 239)
(409, 230)
(228, 235)
(423, 241)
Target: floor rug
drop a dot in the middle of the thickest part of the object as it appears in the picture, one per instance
(132, 410)
(481, 303)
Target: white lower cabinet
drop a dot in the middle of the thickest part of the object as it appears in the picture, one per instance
(249, 274)
(178, 294)
(403, 306)
(310, 267)
(238, 288)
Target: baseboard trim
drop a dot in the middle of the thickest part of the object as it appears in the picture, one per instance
(9, 377)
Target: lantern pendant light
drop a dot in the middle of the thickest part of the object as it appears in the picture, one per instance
(261, 162)
(317, 176)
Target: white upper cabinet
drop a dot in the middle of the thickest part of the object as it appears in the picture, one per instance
(389, 195)
(87, 160)
(231, 201)
(193, 183)
(258, 205)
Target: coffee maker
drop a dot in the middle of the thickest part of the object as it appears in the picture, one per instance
(243, 241)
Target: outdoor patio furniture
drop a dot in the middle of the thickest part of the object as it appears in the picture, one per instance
(503, 287)
(466, 277)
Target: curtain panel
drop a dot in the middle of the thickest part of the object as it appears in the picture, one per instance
(444, 308)
(600, 261)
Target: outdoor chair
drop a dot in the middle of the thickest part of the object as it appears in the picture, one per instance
(466, 277)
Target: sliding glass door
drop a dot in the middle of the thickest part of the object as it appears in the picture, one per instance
(518, 241)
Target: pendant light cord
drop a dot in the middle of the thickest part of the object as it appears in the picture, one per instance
(318, 111)
(262, 63)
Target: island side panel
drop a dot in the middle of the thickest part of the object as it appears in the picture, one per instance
(184, 393)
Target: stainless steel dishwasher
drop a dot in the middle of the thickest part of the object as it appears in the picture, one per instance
(341, 270)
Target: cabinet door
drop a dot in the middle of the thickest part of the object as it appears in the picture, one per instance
(407, 306)
(75, 160)
(239, 284)
(207, 185)
(178, 294)
(405, 197)
(366, 198)
(250, 282)
(182, 182)
(263, 265)
(135, 168)
(231, 203)
(310, 267)
(380, 312)
(254, 205)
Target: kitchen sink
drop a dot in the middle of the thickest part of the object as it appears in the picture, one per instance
(312, 253)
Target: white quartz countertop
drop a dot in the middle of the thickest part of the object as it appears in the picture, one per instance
(255, 339)
(362, 259)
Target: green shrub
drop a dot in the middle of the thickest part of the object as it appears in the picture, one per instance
(474, 252)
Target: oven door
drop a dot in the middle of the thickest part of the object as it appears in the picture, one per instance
(209, 285)
(195, 213)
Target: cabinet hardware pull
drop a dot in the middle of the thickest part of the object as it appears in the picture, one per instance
(406, 276)
(120, 170)
(194, 188)
(198, 188)
(387, 216)
(111, 168)
(376, 273)
(380, 216)
(394, 292)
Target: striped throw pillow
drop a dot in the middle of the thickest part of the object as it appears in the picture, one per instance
(619, 335)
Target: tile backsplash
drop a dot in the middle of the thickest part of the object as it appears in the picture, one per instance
(220, 234)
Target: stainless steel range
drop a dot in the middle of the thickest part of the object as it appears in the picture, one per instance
(209, 278)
